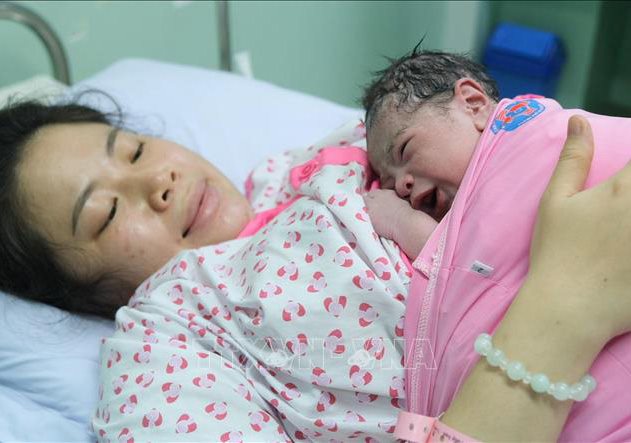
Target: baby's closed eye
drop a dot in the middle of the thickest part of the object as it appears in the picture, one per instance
(386, 181)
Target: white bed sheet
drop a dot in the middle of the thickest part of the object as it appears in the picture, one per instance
(49, 360)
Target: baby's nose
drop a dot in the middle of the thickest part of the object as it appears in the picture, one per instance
(404, 186)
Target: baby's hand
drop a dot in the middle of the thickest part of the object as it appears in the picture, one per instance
(394, 218)
(385, 208)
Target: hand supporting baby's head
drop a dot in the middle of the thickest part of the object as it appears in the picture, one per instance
(424, 116)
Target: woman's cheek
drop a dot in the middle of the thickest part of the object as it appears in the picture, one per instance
(129, 241)
(141, 250)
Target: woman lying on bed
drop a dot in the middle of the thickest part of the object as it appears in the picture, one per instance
(278, 316)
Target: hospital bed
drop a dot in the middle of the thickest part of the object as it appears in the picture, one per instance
(49, 359)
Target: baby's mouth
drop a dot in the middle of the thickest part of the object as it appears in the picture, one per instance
(443, 205)
(426, 202)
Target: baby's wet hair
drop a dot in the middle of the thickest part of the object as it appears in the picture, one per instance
(422, 76)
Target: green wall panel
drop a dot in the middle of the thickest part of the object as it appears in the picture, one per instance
(326, 48)
(97, 33)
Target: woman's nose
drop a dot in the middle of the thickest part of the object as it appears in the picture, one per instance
(403, 185)
(161, 186)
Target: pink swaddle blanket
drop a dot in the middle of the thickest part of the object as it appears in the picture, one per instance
(473, 265)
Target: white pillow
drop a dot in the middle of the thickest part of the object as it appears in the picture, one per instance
(48, 359)
(38, 87)
(48, 371)
(233, 121)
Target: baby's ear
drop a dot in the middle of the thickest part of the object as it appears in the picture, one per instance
(469, 94)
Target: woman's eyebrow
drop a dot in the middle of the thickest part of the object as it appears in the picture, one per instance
(85, 194)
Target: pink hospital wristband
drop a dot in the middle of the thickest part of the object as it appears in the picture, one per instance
(422, 429)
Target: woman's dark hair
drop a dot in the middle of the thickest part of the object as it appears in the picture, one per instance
(29, 265)
(422, 76)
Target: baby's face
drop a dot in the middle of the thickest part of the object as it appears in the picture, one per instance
(423, 155)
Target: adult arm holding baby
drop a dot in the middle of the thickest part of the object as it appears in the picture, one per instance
(575, 299)
(569, 307)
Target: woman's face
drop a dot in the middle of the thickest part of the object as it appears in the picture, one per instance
(114, 201)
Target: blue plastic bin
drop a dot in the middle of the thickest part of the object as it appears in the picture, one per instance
(524, 60)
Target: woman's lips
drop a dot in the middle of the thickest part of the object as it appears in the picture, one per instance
(202, 207)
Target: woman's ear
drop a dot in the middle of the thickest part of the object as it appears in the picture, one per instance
(470, 96)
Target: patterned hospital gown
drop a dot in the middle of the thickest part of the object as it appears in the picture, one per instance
(293, 332)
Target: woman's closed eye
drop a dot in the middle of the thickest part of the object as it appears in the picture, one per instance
(110, 216)
(138, 152)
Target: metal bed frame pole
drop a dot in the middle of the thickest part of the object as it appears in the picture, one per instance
(223, 24)
(13, 12)
(17, 13)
